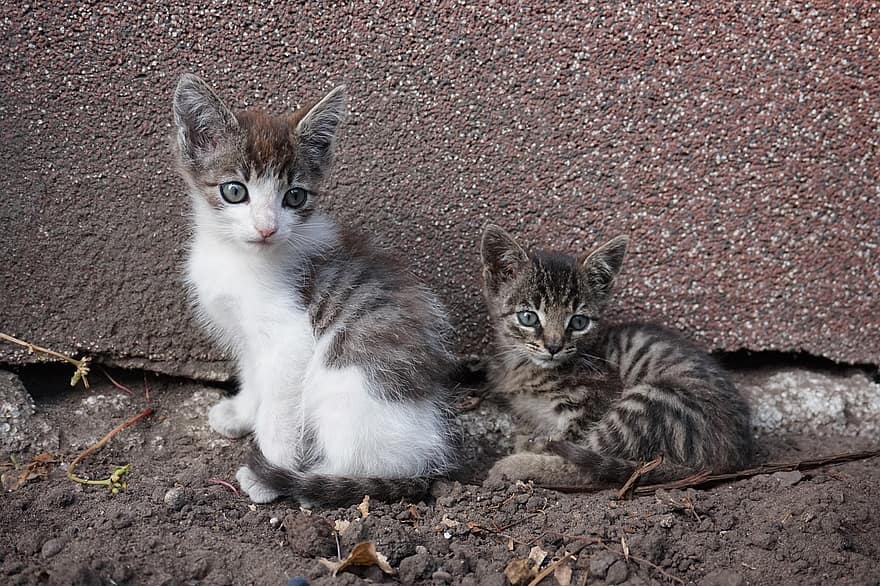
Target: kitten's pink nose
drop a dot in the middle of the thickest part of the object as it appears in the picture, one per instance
(266, 232)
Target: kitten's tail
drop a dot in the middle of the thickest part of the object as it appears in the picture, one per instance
(334, 491)
(613, 469)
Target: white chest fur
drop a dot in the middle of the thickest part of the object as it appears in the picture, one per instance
(246, 302)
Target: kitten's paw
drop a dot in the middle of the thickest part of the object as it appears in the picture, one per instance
(225, 418)
(256, 490)
(541, 468)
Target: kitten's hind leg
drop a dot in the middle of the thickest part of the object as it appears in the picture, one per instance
(615, 469)
(256, 490)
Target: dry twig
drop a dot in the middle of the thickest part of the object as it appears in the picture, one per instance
(705, 479)
(640, 471)
(549, 570)
(610, 545)
(114, 482)
(113, 382)
(82, 365)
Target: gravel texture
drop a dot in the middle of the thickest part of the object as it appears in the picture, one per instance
(22, 428)
(735, 143)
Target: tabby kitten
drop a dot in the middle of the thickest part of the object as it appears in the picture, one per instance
(605, 397)
(341, 355)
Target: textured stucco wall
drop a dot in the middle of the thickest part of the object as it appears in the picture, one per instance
(737, 144)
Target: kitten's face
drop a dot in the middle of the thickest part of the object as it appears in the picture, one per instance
(254, 177)
(546, 307)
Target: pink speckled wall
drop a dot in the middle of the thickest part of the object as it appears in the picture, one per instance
(737, 145)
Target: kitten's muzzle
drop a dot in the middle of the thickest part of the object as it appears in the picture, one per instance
(554, 348)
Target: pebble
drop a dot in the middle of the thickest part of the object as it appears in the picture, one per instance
(175, 498)
(617, 573)
(52, 547)
(788, 478)
(442, 577)
(667, 521)
(274, 522)
(601, 562)
(763, 540)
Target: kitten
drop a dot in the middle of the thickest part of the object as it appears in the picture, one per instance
(342, 356)
(605, 397)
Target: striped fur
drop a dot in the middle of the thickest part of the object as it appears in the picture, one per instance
(342, 355)
(611, 396)
(334, 491)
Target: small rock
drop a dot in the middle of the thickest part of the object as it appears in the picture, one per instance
(667, 521)
(199, 569)
(723, 578)
(617, 573)
(788, 478)
(600, 563)
(52, 547)
(175, 498)
(763, 540)
(274, 522)
(309, 536)
(441, 577)
(22, 427)
(412, 568)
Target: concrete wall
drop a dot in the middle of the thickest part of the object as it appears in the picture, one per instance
(737, 145)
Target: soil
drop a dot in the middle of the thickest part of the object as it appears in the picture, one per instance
(175, 524)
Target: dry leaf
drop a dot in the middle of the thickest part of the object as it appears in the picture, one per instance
(363, 554)
(364, 507)
(520, 572)
(341, 525)
(562, 574)
(38, 467)
(537, 555)
(625, 547)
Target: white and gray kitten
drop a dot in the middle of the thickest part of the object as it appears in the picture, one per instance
(341, 355)
(604, 396)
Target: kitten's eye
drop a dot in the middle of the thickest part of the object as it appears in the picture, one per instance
(579, 322)
(233, 192)
(527, 318)
(295, 197)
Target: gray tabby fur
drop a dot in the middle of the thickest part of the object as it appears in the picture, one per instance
(611, 396)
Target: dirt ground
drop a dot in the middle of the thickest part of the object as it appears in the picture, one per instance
(174, 524)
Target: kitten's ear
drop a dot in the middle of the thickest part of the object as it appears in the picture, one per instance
(316, 130)
(502, 256)
(603, 264)
(203, 121)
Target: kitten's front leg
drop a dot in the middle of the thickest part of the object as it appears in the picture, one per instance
(542, 468)
(234, 417)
